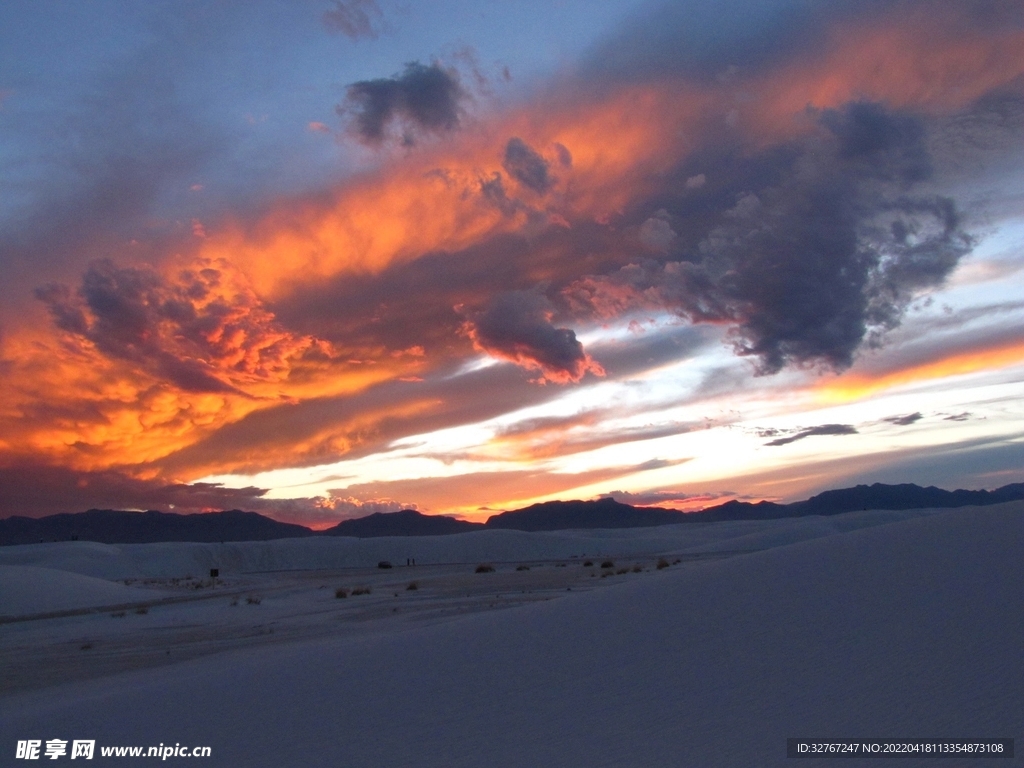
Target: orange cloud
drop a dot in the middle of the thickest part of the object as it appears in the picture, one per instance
(89, 399)
(854, 386)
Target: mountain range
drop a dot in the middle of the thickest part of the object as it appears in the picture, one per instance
(121, 527)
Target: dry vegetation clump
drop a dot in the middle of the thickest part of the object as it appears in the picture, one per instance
(522, 567)
(384, 564)
(142, 610)
(483, 568)
(663, 563)
(412, 585)
(621, 571)
(86, 647)
(608, 564)
(234, 601)
(588, 563)
(361, 591)
(118, 615)
(254, 600)
(638, 569)
(340, 592)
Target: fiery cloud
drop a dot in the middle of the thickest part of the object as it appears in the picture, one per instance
(782, 192)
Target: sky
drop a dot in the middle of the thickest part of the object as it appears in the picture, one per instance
(323, 258)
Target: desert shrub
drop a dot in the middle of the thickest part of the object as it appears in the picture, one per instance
(606, 573)
(384, 564)
(677, 561)
(118, 615)
(86, 647)
(253, 600)
(341, 592)
(608, 564)
(412, 585)
(482, 568)
(588, 563)
(142, 610)
(638, 569)
(663, 563)
(621, 571)
(361, 591)
(522, 567)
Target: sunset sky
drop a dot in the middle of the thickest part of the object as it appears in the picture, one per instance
(319, 259)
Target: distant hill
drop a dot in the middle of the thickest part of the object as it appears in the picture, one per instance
(116, 527)
(407, 522)
(877, 496)
(603, 513)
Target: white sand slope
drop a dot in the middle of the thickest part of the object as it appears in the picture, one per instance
(177, 559)
(25, 589)
(910, 629)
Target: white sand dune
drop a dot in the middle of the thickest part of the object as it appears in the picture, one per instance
(910, 629)
(26, 589)
(177, 559)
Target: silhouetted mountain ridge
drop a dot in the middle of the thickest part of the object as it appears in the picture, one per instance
(405, 522)
(602, 513)
(110, 526)
(119, 527)
(861, 497)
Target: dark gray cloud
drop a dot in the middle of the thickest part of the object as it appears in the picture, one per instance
(825, 254)
(903, 421)
(824, 429)
(355, 19)
(516, 326)
(422, 99)
(526, 166)
(965, 416)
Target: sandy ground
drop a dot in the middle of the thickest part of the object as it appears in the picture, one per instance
(880, 625)
(167, 620)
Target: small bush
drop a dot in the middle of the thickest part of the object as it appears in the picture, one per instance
(412, 586)
(638, 569)
(142, 611)
(663, 563)
(86, 647)
(253, 600)
(485, 568)
(606, 573)
(340, 592)
(621, 571)
(608, 564)
(588, 563)
(522, 567)
(384, 564)
(677, 561)
(118, 615)
(361, 591)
